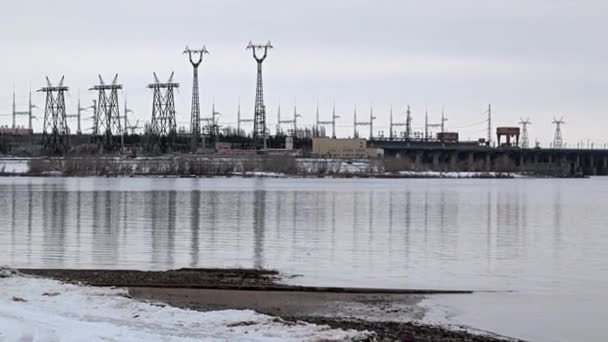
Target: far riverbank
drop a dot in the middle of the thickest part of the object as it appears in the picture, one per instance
(244, 166)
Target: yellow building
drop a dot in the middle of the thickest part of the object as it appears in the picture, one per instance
(340, 148)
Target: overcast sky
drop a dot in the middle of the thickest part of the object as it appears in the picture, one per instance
(528, 58)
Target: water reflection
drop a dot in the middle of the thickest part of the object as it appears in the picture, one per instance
(389, 233)
(259, 225)
(195, 221)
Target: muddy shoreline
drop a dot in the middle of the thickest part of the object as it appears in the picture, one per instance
(387, 312)
(209, 278)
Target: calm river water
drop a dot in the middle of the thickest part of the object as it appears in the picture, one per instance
(545, 241)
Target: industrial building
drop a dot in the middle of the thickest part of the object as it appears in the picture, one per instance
(340, 148)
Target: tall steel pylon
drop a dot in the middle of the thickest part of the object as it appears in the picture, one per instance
(259, 119)
(196, 58)
(163, 127)
(557, 139)
(108, 111)
(55, 129)
(525, 142)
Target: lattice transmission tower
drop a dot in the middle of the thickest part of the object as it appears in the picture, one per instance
(525, 142)
(163, 127)
(55, 129)
(108, 112)
(196, 58)
(259, 117)
(557, 139)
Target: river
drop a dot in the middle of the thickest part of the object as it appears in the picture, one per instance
(542, 244)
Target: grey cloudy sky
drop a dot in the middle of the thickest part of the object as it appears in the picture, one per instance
(536, 58)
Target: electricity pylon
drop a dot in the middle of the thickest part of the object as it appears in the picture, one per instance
(557, 139)
(259, 117)
(196, 58)
(525, 142)
(55, 129)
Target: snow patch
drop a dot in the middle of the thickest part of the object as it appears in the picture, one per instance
(14, 166)
(54, 311)
(439, 174)
(261, 174)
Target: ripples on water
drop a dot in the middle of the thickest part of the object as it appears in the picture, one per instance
(530, 236)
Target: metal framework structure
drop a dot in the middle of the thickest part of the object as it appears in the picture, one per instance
(489, 142)
(260, 52)
(557, 140)
(107, 122)
(525, 142)
(428, 125)
(331, 122)
(239, 120)
(393, 124)
(196, 58)
(163, 126)
(55, 130)
(369, 123)
(408, 123)
(279, 130)
(293, 121)
(95, 128)
(78, 116)
(212, 126)
(28, 112)
(443, 119)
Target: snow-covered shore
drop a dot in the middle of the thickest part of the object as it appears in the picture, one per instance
(34, 309)
(231, 167)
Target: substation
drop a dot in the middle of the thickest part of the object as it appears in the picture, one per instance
(112, 132)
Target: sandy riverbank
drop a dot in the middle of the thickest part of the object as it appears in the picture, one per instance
(391, 314)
